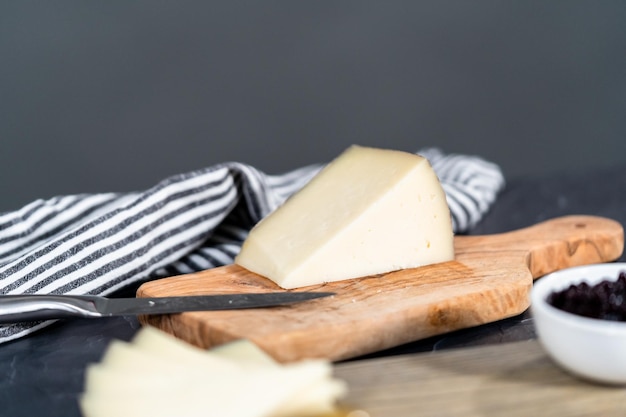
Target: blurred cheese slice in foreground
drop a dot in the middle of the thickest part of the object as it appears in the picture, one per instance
(157, 375)
(369, 211)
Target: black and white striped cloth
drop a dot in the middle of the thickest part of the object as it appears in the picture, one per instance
(99, 243)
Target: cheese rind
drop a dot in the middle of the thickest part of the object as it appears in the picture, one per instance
(370, 211)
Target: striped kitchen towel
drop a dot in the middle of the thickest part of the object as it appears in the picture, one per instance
(99, 243)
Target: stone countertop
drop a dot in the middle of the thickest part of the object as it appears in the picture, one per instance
(42, 374)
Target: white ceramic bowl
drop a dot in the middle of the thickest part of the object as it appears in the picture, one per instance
(593, 349)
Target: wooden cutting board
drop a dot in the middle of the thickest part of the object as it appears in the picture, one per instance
(513, 380)
(489, 280)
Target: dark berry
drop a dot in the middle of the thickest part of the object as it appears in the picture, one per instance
(605, 300)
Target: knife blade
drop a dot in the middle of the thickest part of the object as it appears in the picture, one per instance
(33, 307)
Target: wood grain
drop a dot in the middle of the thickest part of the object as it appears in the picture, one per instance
(489, 280)
(516, 379)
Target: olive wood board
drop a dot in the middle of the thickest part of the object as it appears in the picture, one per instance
(490, 279)
(512, 379)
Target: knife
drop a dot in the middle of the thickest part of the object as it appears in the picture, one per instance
(32, 307)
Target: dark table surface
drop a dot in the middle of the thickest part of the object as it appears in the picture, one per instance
(42, 374)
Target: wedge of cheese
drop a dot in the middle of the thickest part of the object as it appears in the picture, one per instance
(369, 211)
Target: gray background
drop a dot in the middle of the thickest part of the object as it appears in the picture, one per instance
(117, 95)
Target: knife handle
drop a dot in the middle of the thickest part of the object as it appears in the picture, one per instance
(34, 307)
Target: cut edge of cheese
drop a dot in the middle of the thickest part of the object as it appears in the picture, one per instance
(368, 212)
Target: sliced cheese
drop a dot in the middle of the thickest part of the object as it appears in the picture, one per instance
(158, 375)
(123, 355)
(156, 342)
(369, 211)
(244, 353)
(260, 393)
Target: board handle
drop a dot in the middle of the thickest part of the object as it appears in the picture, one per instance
(555, 244)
